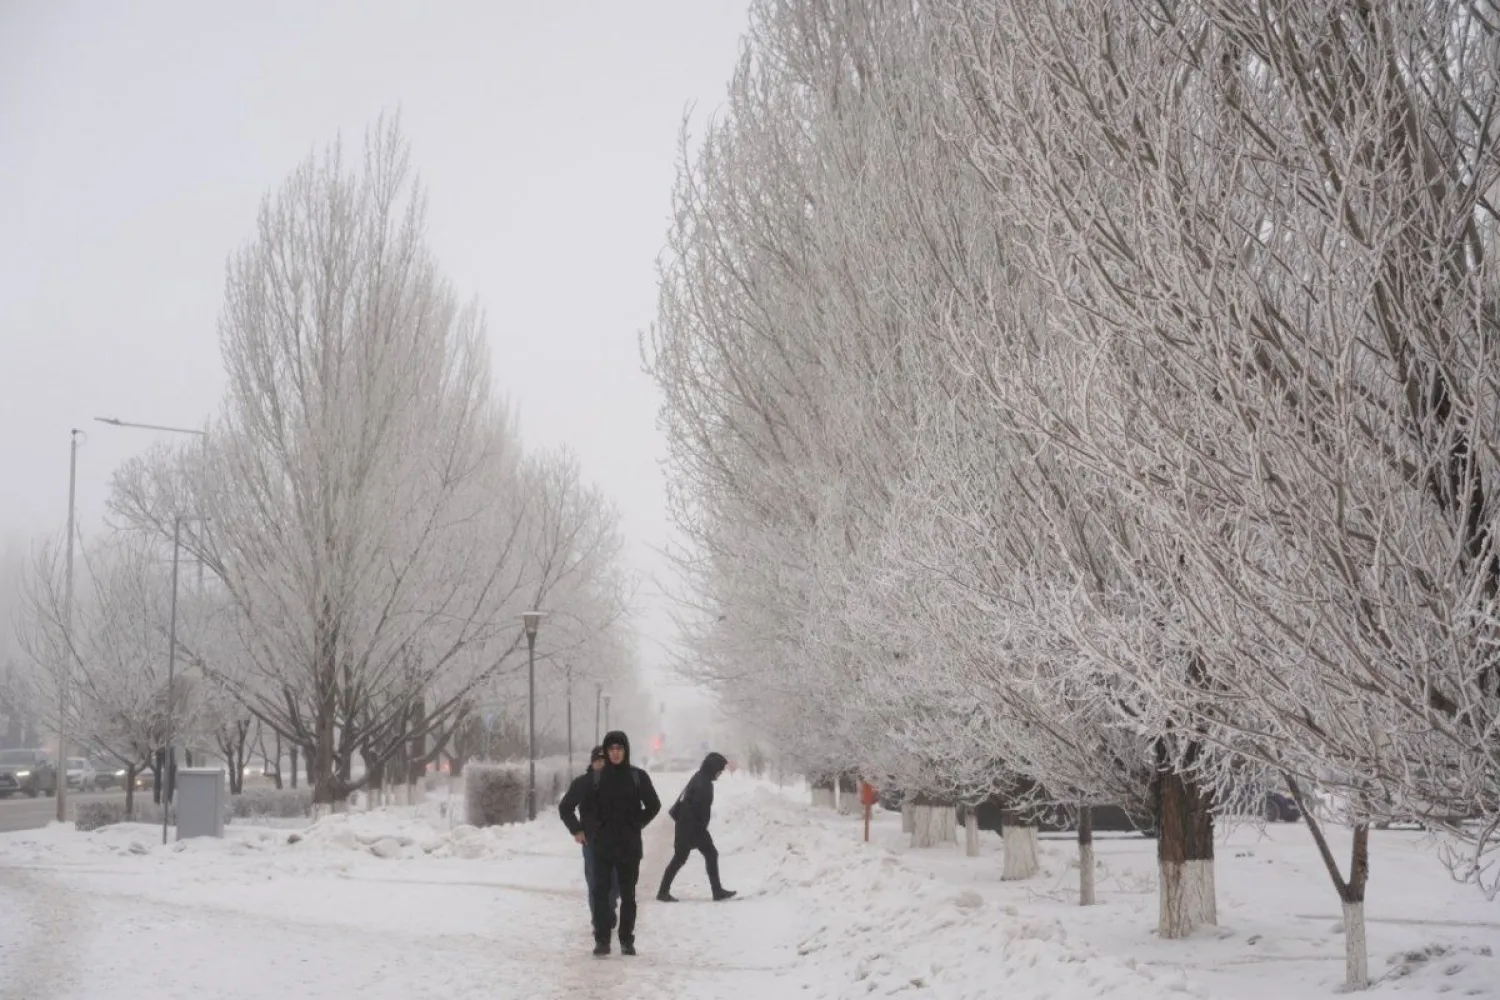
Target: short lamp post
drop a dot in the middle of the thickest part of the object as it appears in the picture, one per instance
(531, 621)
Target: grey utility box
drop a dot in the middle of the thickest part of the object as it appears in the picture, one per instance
(200, 802)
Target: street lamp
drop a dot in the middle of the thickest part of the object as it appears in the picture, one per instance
(117, 422)
(531, 620)
(568, 673)
(606, 713)
(167, 783)
(177, 524)
(60, 787)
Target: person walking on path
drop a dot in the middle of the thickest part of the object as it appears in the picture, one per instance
(582, 826)
(622, 801)
(691, 812)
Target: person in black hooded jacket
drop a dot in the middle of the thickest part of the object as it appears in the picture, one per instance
(621, 800)
(692, 811)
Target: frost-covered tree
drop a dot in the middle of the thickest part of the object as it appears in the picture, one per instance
(371, 516)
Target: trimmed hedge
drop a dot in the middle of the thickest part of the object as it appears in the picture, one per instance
(274, 803)
(94, 815)
(495, 794)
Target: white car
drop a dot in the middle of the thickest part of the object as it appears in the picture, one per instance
(81, 774)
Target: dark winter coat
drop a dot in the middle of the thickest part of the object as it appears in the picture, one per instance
(622, 800)
(695, 805)
(575, 809)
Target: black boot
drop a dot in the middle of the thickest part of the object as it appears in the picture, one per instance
(665, 896)
(627, 947)
(601, 947)
(722, 894)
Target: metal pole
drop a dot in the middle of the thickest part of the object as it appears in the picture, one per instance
(606, 713)
(60, 772)
(570, 720)
(531, 710)
(166, 778)
(598, 694)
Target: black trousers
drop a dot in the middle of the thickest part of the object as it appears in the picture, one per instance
(704, 844)
(606, 872)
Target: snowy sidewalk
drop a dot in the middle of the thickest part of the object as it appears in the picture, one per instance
(401, 905)
(493, 914)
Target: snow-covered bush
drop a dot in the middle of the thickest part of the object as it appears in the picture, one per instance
(93, 815)
(494, 794)
(278, 803)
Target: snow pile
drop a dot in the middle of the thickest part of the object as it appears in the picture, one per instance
(889, 917)
(887, 927)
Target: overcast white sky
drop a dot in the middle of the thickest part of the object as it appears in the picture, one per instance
(136, 141)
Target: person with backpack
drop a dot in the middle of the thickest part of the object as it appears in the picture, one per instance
(580, 823)
(691, 812)
(622, 801)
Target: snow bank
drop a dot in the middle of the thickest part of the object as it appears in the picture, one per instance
(881, 927)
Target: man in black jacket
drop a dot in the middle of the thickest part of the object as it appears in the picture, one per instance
(581, 824)
(692, 811)
(622, 801)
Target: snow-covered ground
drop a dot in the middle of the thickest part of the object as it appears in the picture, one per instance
(406, 903)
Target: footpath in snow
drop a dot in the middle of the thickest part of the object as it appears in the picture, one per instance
(404, 903)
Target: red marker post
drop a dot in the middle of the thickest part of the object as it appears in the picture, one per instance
(867, 797)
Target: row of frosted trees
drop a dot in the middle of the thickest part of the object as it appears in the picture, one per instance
(1088, 401)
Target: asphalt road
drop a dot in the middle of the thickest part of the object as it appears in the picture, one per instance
(21, 813)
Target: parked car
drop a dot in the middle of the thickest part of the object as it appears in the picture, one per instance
(27, 771)
(81, 775)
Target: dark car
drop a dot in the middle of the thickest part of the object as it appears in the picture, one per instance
(1279, 808)
(26, 771)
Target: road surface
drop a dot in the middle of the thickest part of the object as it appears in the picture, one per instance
(21, 813)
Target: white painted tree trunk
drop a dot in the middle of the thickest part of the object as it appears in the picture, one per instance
(971, 834)
(416, 793)
(1356, 951)
(1020, 853)
(1188, 898)
(933, 826)
(908, 818)
(824, 798)
(1086, 896)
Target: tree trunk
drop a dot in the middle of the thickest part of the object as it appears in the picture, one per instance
(934, 823)
(849, 804)
(1086, 856)
(292, 753)
(823, 794)
(1184, 853)
(1020, 840)
(1351, 891)
(971, 834)
(130, 773)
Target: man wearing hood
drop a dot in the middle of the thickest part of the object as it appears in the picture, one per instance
(580, 823)
(622, 801)
(692, 811)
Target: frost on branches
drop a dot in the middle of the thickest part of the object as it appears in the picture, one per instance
(1098, 398)
(374, 527)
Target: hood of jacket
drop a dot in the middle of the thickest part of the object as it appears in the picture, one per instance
(713, 764)
(616, 736)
